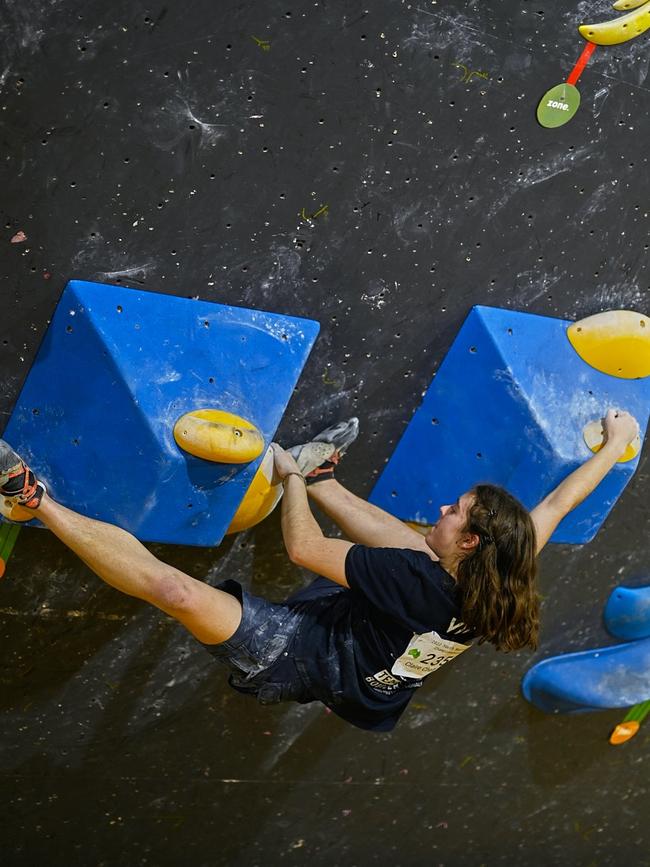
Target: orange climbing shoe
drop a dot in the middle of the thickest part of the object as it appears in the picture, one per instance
(18, 484)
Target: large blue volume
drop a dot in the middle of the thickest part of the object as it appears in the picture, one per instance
(617, 676)
(116, 369)
(508, 406)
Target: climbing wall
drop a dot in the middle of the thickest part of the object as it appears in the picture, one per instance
(378, 168)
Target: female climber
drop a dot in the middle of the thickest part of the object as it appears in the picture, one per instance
(391, 606)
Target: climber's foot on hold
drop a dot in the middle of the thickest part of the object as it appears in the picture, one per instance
(318, 458)
(20, 491)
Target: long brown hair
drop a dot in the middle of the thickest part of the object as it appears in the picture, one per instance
(497, 580)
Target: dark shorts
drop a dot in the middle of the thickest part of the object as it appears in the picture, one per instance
(259, 653)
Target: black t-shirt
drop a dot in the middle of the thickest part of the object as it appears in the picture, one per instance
(363, 651)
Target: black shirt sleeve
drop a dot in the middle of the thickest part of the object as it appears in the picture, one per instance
(404, 584)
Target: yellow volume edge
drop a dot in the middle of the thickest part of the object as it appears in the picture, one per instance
(259, 500)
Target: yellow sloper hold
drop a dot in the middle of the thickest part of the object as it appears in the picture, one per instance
(260, 498)
(616, 342)
(216, 435)
(619, 30)
(594, 435)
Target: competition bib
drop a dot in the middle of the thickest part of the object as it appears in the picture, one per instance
(425, 654)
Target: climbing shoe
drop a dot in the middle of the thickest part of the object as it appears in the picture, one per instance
(18, 484)
(318, 458)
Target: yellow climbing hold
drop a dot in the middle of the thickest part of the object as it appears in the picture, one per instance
(626, 5)
(216, 435)
(260, 498)
(616, 342)
(621, 29)
(594, 435)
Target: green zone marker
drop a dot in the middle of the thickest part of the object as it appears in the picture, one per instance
(560, 103)
(8, 536)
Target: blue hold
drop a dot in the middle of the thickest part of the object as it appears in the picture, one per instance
(508, 405)
(627, 612)
(617, 676)
(116, 369)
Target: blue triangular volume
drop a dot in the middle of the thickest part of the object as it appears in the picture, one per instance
(115, 370)
(508, 406)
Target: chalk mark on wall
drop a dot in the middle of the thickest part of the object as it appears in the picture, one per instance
(468, 74)
(264, 44)
(324, 209)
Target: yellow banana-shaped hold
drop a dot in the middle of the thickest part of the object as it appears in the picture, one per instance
(260, 498)
(216, 435)
(626, 5)
(616, 342)
(621, 29)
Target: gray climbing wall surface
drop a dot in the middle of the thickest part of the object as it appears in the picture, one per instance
(377, 167)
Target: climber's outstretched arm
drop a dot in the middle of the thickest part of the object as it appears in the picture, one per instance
(620, 429)
(362, 522)
(303, 538)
